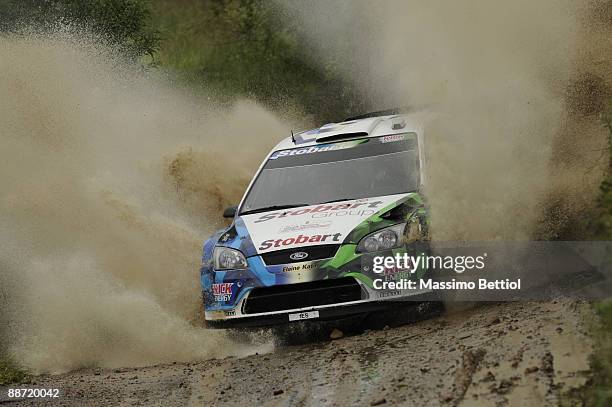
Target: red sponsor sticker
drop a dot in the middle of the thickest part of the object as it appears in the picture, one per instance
(222, 288)
(390, 139)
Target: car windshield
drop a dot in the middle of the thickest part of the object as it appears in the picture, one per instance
(335, 172)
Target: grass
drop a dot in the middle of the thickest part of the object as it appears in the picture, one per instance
(245, 48)
(10, 373)
(599, 392)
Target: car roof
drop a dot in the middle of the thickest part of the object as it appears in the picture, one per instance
(357, 128)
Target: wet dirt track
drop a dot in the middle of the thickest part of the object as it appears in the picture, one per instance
(501, 354)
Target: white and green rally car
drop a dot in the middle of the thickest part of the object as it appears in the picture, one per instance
(321, 207)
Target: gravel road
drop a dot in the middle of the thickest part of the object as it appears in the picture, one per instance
(524, 354)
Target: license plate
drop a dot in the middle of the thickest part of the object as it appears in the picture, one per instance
(303, 315)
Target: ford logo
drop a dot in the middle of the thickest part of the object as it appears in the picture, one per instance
(298, 255)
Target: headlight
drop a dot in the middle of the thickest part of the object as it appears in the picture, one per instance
(228, 259)
(384, 239)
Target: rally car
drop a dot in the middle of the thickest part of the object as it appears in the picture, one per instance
(323, 204)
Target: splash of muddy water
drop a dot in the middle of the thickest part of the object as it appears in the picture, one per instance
(110, 182)
(493, 79)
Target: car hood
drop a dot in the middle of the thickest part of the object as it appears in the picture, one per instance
(312, 225)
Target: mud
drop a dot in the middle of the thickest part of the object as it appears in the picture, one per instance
(108, 191)
(501, 354)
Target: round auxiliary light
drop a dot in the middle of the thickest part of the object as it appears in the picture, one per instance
(371, 244)
(387, 239)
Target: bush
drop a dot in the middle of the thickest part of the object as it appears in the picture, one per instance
(247, 48)
(9, 373)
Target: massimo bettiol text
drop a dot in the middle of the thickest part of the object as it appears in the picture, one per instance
(398, 272)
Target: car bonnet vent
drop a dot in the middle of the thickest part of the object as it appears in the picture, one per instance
(341, 136)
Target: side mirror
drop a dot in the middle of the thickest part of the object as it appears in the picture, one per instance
(230, 211)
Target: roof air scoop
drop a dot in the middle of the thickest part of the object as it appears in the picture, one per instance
(350, 130)
(398, 124)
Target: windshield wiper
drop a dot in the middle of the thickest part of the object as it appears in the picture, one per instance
(272, 208)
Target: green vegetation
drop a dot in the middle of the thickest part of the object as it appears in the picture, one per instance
(10, 373)
(235, 48)
(599, 392)
(603, 224)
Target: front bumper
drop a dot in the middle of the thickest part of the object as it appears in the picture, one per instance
(220, 320)
(266, 294)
